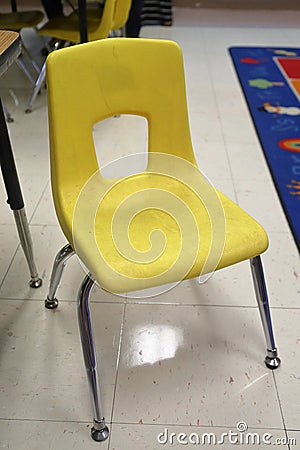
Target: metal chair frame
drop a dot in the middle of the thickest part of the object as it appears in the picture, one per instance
(99, 431)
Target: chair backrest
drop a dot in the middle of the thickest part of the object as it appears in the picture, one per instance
(99, 20)
(121, 13)
(94, 81)
(105, 23)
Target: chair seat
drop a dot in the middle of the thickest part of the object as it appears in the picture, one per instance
(171, 234)
(15, 21)
(67, 28)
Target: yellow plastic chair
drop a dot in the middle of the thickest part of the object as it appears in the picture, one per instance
(66, 28)
(16, 21)
(112, 223)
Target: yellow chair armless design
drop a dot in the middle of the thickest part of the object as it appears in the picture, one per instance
(158, 226)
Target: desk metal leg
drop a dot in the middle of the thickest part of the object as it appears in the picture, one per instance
(15, 199)
(26, 242)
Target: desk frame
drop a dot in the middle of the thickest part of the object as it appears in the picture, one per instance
(10, 50)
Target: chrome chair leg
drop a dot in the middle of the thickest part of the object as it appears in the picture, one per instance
(39, 82)
(30, 59)
(41, 78)
(23, 67)
(100, 431)
(61, 258)
(21, 63)
(272, 360)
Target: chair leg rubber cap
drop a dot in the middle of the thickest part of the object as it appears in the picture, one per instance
(51, 304)
(36, 283)
(100, 435)
(272, 363)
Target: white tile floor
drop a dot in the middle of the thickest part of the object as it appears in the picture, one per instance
(192, 359)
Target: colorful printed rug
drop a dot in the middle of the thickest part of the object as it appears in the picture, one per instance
(270, 79)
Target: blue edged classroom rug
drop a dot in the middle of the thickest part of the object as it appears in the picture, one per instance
(270, 79)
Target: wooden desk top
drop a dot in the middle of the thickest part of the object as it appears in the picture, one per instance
(10, 48)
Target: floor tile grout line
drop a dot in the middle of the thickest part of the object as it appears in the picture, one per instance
(38, 202)
(53, 225)
(2, 419)
(38, 300)
(212, 84)
(116, 374)
(205, 305)
(10, 265)
(167, 304)
(118, 361)
(156, 425)
(185, 425)
(280, 407)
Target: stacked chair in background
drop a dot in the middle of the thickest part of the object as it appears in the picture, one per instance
(64, 30)
(121, 13)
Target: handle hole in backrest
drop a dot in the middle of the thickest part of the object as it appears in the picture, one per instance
(116, 139)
